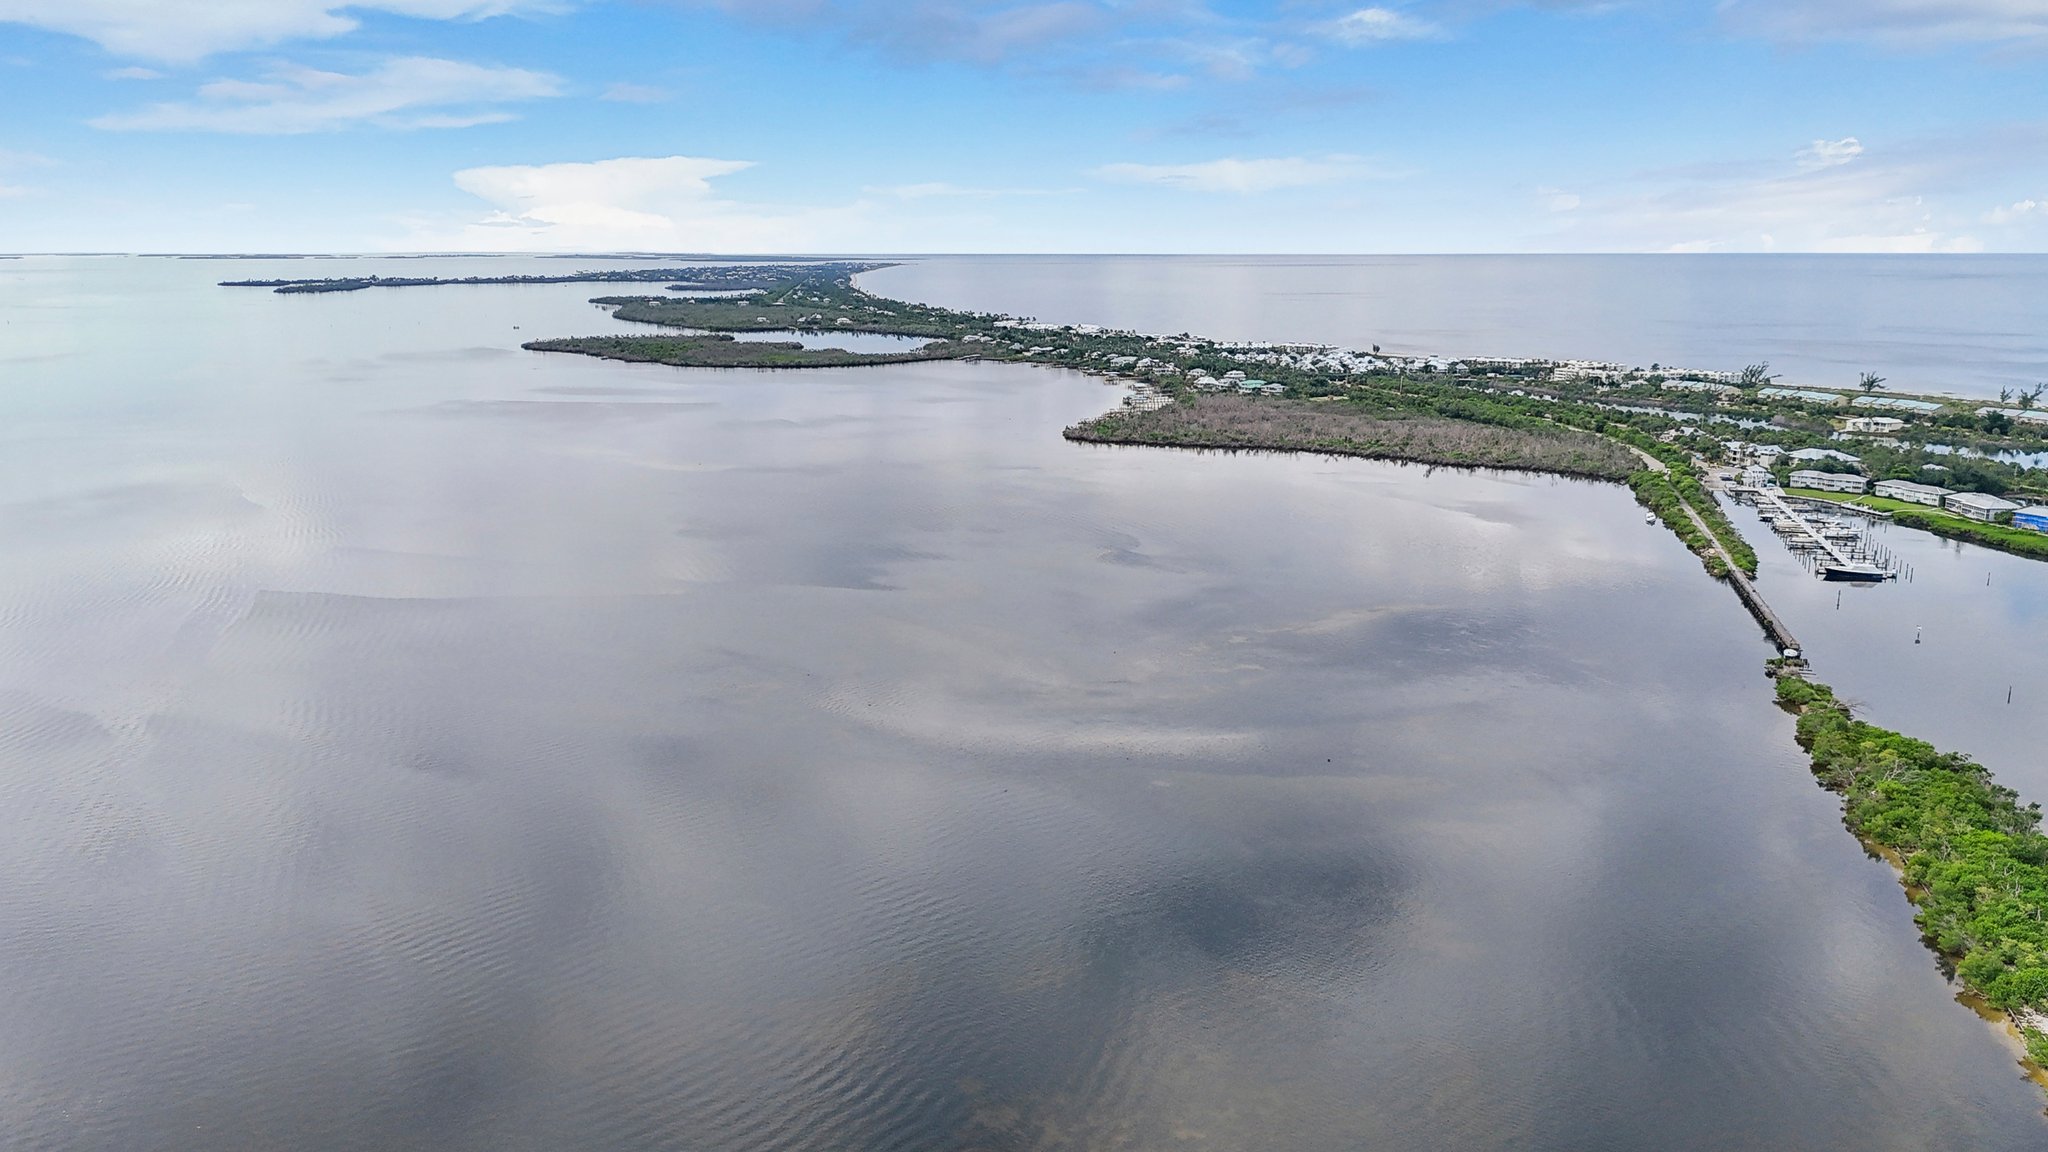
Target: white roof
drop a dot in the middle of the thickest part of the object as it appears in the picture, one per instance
(1910, 486)
(1982, 500)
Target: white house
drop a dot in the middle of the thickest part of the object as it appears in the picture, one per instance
(1806, 394)
(1829, 481)
(1977, 505)
(1881, 425)
(1896, 403)
(1910, 492)
(1811, 454)
(2022, 415)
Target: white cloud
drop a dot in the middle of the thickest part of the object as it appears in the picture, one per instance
(2018, 211)
(408, 92)
(1906, 23)
(1830, 153)
(633, 203)
(624, 93)
(133, 74)
(1379, 25)
(1243, 176)
(982, 31)
(1818, 203)
(183, 30)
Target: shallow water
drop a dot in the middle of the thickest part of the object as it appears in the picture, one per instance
(408, 741)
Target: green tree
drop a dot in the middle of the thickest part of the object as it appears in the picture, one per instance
(1870, 382)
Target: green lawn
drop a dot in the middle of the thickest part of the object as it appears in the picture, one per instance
(1880, 503)
(2002, 537)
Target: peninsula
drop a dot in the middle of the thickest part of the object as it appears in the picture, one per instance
(1974, 860)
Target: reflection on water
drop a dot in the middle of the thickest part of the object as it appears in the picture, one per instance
(406, 741)
(1979, 616)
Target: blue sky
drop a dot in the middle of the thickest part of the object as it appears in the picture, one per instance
(1024, 125)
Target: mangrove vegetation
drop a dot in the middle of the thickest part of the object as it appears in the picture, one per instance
(1974, 860)
(1353, 428)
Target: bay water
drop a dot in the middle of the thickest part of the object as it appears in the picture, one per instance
(407, 741)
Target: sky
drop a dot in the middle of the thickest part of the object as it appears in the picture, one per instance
(898, 126)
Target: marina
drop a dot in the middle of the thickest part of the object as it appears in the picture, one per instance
(1832, 548)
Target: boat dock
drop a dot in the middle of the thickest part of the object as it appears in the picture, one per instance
(1834, 550)
(1773, 503)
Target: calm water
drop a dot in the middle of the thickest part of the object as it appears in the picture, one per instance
(410, 742)
(1968, 325)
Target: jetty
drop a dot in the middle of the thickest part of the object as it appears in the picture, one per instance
(1773, 627)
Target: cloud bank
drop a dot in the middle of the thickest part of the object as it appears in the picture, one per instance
(186, 30)
(1904, 23)
(632, 203)
(408, 92)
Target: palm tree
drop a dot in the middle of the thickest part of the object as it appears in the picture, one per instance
(1757, 375)
(1870, 382)
(2005, 395)
(2028, 397)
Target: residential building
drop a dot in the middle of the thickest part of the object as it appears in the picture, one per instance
(1829, 481)
(1806, 394)
(1811, 454)
(1880, 425)
(1910, 492)
(1895, 403)
(1977, 505)
(2034, 518)
(2019, 415)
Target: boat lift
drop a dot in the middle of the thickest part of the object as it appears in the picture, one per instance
(1838, 565)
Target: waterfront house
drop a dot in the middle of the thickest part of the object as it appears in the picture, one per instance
(1978, 505)
(2034, 518)
(1829, 481)
(1806, 394)
(1910, 492)
(1880, 425)
(2020, 415)
(1895, 403)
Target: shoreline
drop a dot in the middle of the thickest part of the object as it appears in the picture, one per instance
(1497, 428)
(1970, 859)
